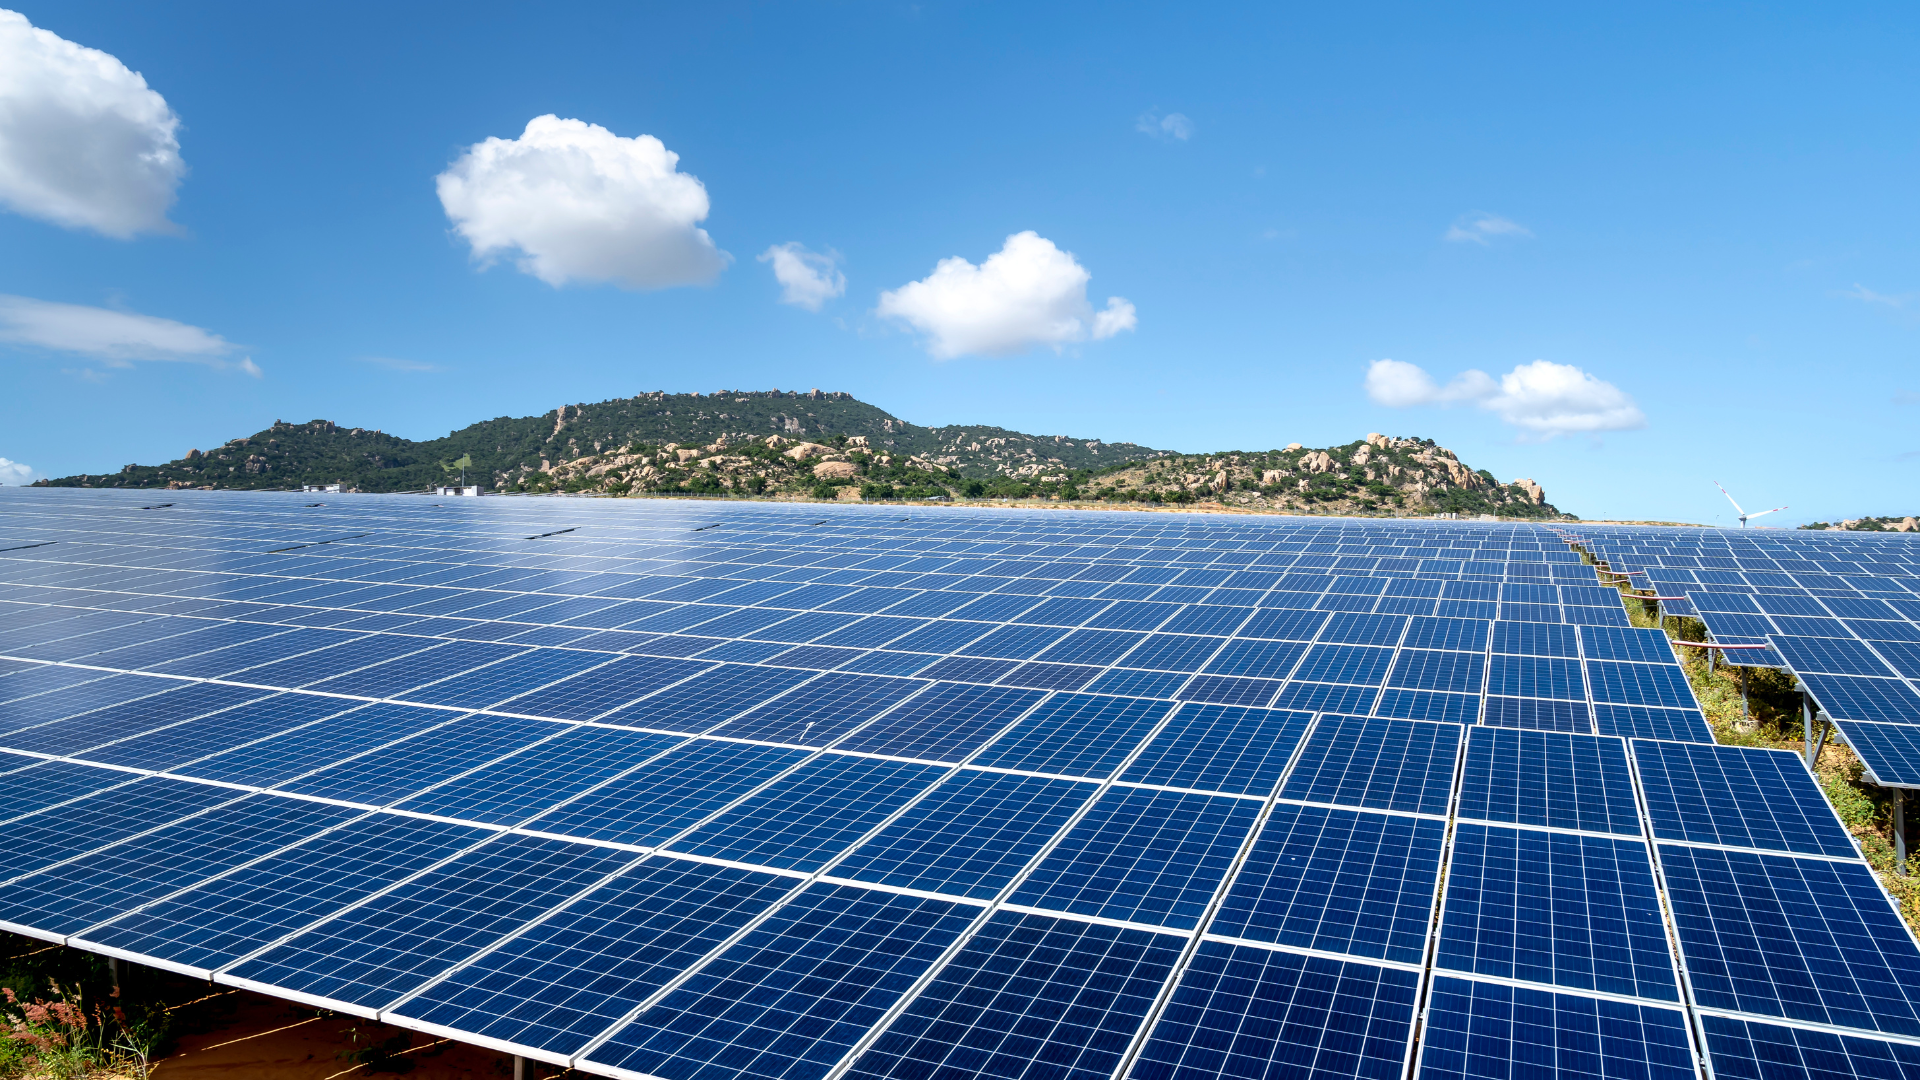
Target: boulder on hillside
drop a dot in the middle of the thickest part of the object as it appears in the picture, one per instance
(1535, 493)
(835, 470)
(805, 450)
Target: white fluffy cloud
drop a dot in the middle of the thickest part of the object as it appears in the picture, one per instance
(1480, 227)
(807, 279)
(83, 142)
(15, 473)
(579, 203)
(1543, 398)
(115, 338)
(1028, 293)
(1170, 126)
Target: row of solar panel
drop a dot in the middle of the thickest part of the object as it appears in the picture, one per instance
(1331, 674)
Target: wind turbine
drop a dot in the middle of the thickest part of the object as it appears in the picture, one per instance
(1743, 514)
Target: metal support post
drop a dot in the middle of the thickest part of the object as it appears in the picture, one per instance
(519, 1067)
(1899, 831)
(1746, 709)
(1806, 725)
(117, 968)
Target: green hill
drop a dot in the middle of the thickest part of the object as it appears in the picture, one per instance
(512, 452)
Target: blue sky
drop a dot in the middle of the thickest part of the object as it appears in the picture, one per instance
(1679, 241)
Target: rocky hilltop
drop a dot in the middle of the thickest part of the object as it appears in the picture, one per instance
(529, 452)
(1374, 475)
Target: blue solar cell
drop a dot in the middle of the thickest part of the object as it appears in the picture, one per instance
(208, 637)
(393, 772)
(1141, 855)
(819, 712)
(1029, 996)
(39, 840)
(970, 836)
(1284, 624)
(1151, 684)
(970, 669)
(804, 820)
(516, 788)
(1427, 669)
(509, 678)
(1356, 665)
(29, 681)
(1902, 656)
(1044, 676)
(395, 676)
(311, 746)
(708, 699)
(76, 698)
(1172, 652)
(1014, 642)
(669, 794)
(1131, 614)
(1535, 639)
(796, 993)
(1207, 619)
(1829, 656)
(1258, 659)
(1353, 628)
(379, 950)
(603, 689)
(1537, 714)
(1660, 685)
(1746, 1050)
(1645, 645)
(1802, 939)
(1480, 1030)
(1220, 748)
(1738, 795)
(1847, 697)
(946, 723)
(109, 882)
(1242, 1011)
(179, 703)
(321, 664)
(1380, 763)
(1091, 647)
(33, 785)
(1566, 910)
(216, 923)
(1229, 690)
(1536, 677)
(1466, 609)
(571, 976)
(1338, 881)
(1729, 626)
(1425, 705)
(1326, 697)
(1548, 779)
(1645, 722)
(1076, 735)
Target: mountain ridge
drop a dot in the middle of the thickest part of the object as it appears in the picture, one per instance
(830, 445)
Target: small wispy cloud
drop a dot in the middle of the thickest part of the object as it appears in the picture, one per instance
(114, 338)
(1868, 296)
(393, 363)
(1906, 397)
(1480, 227)
(1171, 126)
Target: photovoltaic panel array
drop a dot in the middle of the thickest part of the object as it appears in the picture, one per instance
(1840, 610)
(682, 789)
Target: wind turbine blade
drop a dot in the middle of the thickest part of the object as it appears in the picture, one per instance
(1757, 513)
(1729, 496)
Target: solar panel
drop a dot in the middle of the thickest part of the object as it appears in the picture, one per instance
(1338, 881)
(1738, 796)
(1558, 909)
(1548, 779)
(1750, 1050)
(754, 789)
(1242, 1011)
(1801, 939)
(1482, 1029)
